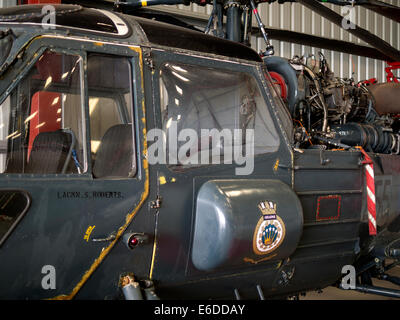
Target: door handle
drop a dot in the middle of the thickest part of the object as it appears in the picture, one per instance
(111, 237)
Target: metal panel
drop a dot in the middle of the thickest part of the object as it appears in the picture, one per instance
(7, 3)
(295, 17)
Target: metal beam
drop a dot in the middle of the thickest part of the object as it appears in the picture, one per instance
(361, 33)
(200, 20)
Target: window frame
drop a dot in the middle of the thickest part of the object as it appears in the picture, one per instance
(20, 216)
(134, 118)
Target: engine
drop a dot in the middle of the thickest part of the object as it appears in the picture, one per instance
(337, 113)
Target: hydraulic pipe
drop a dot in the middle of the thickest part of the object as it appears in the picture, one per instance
(247, 25)
(131, 288)
(392, 279)
(269, 51)
(321, 98)
(392, 293)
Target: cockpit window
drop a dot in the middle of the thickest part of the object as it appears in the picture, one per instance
(41, 122)
(208, 101)
(110, 110)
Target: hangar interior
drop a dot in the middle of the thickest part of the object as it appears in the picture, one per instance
(291, 17)
(297, 18)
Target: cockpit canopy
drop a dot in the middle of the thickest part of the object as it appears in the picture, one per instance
(65, 17)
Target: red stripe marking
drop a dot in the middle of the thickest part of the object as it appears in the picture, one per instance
(370, 181)
(371, 205)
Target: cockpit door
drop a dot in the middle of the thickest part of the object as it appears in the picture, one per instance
(208, 108)
(72, 172)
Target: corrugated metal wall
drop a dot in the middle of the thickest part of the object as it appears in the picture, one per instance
(295, 17)
(7, 3)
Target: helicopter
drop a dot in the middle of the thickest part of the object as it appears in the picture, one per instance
(145, 160)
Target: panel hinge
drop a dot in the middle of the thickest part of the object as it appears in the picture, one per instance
(148, 59)
(156, 204)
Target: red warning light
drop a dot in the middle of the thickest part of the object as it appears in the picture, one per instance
(133, 242)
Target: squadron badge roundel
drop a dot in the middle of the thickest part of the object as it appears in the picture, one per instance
(270, 229)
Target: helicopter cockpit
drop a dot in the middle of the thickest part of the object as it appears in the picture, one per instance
(42, 129)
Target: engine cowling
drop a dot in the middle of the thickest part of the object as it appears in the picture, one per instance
(387, 98)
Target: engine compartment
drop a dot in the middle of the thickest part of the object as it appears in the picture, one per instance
(335, 113)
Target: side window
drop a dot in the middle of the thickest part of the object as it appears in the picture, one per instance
(41, 122)
(110, 109)
(198, 98)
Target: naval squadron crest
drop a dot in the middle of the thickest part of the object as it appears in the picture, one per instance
(270, 229)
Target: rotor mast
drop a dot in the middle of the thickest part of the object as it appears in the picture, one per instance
(238, 18)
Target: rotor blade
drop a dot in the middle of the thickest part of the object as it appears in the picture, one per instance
(144, 3)
(387, 10)
(361, 33)
(130, 4)
(323, 43)
(287, 36)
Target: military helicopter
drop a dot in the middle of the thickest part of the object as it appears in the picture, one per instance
(145, 160)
